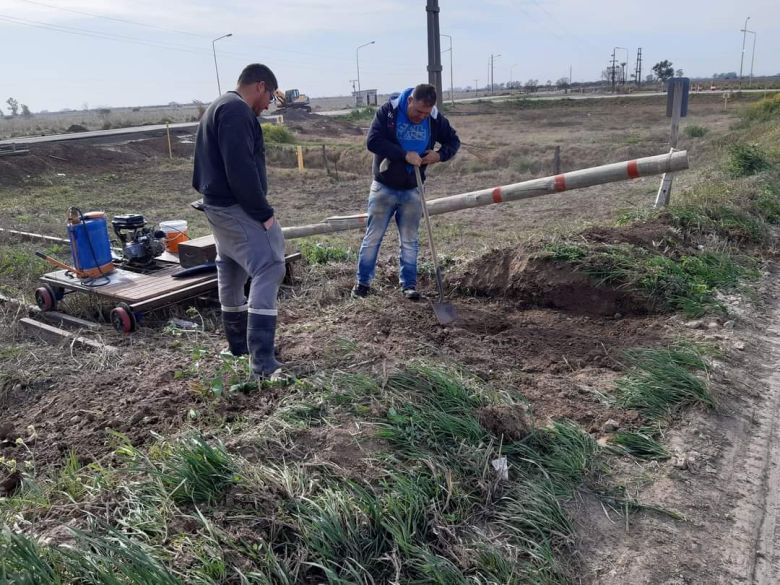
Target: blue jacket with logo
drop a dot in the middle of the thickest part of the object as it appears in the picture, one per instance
(382, 141)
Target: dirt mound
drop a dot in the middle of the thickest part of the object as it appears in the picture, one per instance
(310, 124)
(534, 280)
(655, 235)
(71, 157)
(512, 422)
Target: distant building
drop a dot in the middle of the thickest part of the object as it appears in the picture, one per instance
(365, 97)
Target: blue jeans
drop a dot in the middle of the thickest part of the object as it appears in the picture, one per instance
(383, 204)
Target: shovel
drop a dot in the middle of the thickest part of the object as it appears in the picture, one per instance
(445, 312)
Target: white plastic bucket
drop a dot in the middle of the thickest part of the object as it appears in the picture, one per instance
(175, 232)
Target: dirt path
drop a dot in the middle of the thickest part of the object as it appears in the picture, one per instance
(724, 479)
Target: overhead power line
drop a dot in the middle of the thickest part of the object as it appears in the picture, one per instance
(114, 19)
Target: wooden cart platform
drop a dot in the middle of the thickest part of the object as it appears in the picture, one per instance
(131, 292)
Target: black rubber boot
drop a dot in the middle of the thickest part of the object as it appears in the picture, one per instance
(260, 336)
(235, 331)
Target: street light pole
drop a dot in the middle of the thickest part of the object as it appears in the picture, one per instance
(752, 56)
(452, 85)
(357, 62)
(742, 56)
(214, 51)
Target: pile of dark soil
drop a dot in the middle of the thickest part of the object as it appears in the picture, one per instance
(87, 157)
(534, 280)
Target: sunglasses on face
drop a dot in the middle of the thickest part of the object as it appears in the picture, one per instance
(271, 94)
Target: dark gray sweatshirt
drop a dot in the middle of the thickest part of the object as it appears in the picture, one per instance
(230, 158)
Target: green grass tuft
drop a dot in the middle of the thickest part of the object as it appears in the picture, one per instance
(662, 380)
(322, 253)
(694, 131)
(277, 134)
(746, 160)
(766, 109)
(640, 444)
(196, 471)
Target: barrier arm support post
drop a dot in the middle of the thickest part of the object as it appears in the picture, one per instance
(676, 108)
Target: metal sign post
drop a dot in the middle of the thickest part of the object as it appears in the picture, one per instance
(676, 108)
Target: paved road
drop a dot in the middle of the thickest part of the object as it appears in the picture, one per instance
(96, 133)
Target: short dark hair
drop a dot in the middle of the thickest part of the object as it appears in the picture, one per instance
(425, 93)
(257, 72)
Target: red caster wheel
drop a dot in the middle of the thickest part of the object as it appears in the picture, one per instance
(45, 298)
(122, 318)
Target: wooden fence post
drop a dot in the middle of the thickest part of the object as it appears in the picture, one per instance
(325, 160)
(168, 130)
(677, 109)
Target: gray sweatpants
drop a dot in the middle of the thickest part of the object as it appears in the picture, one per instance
(245, 249)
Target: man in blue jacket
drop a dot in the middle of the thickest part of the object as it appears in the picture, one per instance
(230, 173)
(402, 136)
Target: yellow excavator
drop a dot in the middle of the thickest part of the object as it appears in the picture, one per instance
(292, 99)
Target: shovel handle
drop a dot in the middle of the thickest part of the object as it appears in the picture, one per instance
(421, 189)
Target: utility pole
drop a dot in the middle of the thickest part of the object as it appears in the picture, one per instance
(434, 46)
(476, 86)
(743, 30)
(612, 71)
(638, 72)
(570, 75)
(492, 58)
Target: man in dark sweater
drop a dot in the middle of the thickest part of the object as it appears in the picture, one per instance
(402, 136)
(230, 174)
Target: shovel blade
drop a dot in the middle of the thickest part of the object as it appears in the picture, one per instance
(445, 313)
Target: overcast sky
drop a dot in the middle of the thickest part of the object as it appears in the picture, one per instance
(67, 53)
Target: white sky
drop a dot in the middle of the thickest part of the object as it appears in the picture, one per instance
(68, 53)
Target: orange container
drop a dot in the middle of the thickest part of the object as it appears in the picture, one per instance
(175, 233)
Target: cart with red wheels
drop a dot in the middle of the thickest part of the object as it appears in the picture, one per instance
(129, 293)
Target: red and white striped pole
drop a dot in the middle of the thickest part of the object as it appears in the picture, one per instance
(641, 167)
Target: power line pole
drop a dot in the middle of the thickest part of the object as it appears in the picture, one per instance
(492, 58)
(638, 72)
(434, 46)
(743, 30)
(612, 71)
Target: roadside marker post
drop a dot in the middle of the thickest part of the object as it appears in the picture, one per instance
(168, 130)
(676, 108)
(299, 149)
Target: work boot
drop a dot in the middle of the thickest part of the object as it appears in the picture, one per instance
(234, 324)
(260, 338)
(360, 291)
(411, 294)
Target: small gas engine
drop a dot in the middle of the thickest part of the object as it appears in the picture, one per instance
(140, 244)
